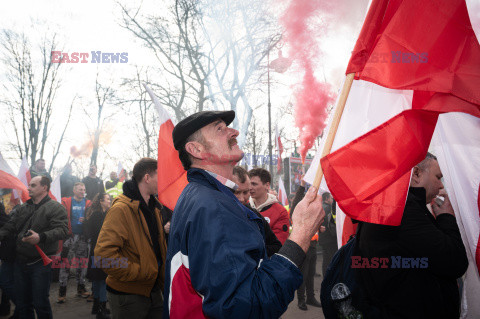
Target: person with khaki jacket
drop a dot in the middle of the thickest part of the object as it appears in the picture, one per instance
(131, 247)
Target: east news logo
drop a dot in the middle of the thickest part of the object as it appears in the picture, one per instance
(83, 57)
(392, 262)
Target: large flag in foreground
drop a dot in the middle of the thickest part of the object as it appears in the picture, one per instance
(417, 71)
(172, 178)
(404, 78)
(9, 180)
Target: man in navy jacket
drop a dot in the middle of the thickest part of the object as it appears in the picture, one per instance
(217, 265)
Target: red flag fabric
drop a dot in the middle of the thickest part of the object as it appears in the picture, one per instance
(172, 178)
(428, 47)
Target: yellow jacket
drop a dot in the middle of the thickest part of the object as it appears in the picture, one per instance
(125, 234)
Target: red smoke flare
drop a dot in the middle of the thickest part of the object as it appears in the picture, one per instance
(87, 147)
(314, 97)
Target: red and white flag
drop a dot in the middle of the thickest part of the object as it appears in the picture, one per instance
(279, 147)
(121, 173)
(282, 194)
(56, 190)
(404, 79)
(8, 180)
(172, 177)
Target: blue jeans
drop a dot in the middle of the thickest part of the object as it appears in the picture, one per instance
(99, 288)
(32, 286)
(6, 279)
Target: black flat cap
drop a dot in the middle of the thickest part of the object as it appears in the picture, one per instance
(194, 122)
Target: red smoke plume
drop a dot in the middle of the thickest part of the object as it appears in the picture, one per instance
(87, 147)
(313, 97)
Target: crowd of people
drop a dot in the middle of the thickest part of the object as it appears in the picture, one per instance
(229, 249)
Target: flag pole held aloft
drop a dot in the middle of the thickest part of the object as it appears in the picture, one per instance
(334, 127)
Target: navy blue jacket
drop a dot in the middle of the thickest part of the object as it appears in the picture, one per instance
(217, 265)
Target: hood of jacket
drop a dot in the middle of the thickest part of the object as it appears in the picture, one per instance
(271, 199)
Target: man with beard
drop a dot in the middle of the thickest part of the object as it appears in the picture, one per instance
(217, 264)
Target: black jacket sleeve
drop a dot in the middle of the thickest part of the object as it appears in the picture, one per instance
(440, 241)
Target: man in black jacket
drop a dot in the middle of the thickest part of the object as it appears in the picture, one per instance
(43, 222)
(423, 256)
(240, 177)
(93, 184)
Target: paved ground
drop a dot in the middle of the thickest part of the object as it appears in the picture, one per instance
(77, 307)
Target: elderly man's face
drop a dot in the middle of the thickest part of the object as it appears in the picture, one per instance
(431, 180)
(220, 144)
(243, 190)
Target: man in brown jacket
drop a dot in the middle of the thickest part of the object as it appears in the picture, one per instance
(131, 247)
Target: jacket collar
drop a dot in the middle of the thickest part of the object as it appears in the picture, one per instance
(225, 181)
(419, 195)
(271, 199)
(204, 178)
(43, 201)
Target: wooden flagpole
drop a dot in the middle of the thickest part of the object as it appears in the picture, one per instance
(334, 127)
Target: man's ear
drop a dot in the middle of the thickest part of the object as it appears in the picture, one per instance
(267, 184)
(195, 149)
(416, 177)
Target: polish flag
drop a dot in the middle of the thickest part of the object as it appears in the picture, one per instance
(405, 79)
(121, 173)
(282, 194)
(172, 178)
(56, 190)
(23, 175)
(279, 147)
(8, 180)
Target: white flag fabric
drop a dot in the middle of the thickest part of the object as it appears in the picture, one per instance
(121, 173)
(282, 194)
(456, 143)
(56, 189)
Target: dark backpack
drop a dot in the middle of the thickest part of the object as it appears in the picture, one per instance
(340, 279)
(342, 295)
